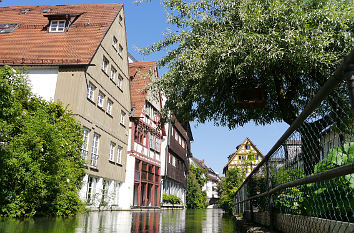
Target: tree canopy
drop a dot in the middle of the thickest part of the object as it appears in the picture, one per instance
(216, 48)
(40, 163)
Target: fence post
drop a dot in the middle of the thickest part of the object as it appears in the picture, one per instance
(270, 197)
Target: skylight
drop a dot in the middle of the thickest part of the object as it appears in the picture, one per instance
(8, 27)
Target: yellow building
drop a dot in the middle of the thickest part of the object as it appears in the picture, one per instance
(246, 157)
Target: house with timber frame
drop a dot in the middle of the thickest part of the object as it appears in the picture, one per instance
(77, 54)
(246, 157)
(142, 184)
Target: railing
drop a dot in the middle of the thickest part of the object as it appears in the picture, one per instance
(306, 183)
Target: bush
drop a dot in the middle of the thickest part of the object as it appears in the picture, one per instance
(41, 167)
(172, 199)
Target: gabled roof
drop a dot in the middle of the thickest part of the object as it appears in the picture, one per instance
(199, 163)
(30, 42)
(139, 79)
(239, 148)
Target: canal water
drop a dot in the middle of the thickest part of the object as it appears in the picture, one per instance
(174, 221)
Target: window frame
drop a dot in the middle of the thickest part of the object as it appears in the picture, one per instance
(113, 73)
(91, 91)
(105, 64)
(57, 27)
(119, 154)
(100, 99)
(94, 151)
(109, 107)
(120, 50)
(85, 143)
(114, 42)
(112, 146)
(122, 117)
(120, 82)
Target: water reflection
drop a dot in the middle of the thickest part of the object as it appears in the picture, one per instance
(210, 220)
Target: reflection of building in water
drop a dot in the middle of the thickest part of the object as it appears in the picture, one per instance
(145, 222)
(114, 221)
(212, 221)
(173, 221)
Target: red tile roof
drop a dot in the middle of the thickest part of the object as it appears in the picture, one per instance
(30, 42)
(139, 79)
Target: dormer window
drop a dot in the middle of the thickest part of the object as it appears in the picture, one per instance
(57, 26)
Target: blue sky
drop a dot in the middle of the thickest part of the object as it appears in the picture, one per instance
(145, 25)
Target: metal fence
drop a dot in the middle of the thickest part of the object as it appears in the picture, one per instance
(306, 182)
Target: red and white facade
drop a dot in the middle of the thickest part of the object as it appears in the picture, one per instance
(142, 185)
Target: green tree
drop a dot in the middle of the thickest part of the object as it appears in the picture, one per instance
(40, 166)
(286, 48)
(227, 188)
(195, 197)
(219, 47)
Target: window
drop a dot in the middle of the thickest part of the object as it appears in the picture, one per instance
(122, 117)
(158, 144)
(173, 161)
(90, 91)
(100, 100)
(105, 63)
(113, 73)
(89, 189)
(109, 107)
(57, 26)
(8, 27)
(94, 152)
(119, 154)
(139, 134)
(84, 147)
(152, 141)
(111, 151)
(105, 186)
(114, 42)
(120, 19)
(120, 81)
(120, 50)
